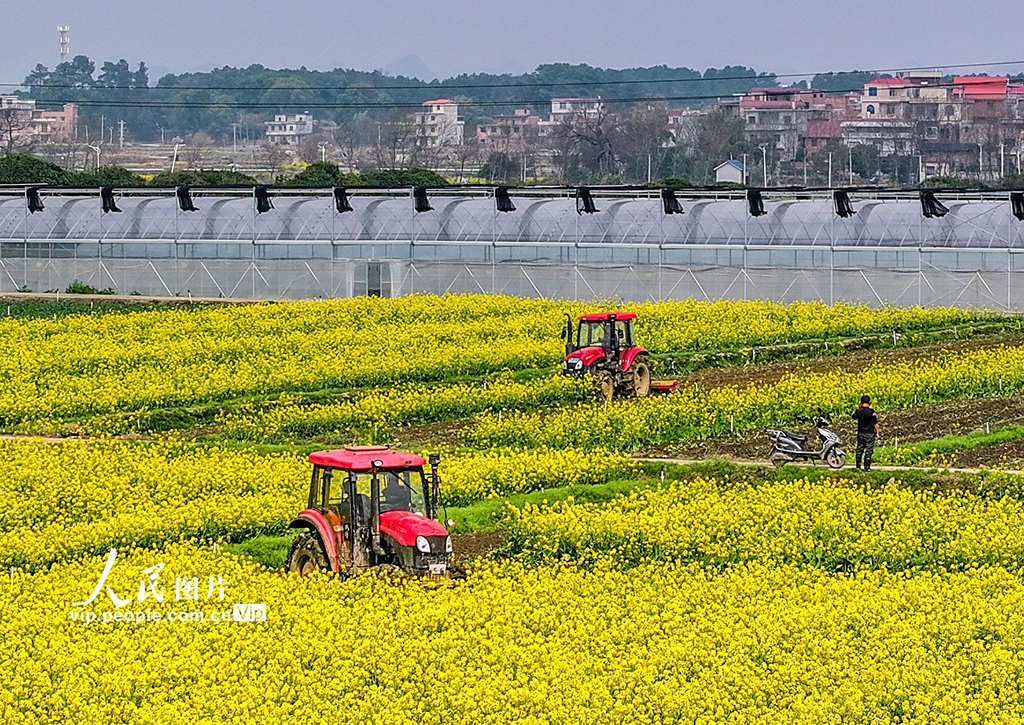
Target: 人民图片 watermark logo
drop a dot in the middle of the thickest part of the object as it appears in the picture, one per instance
(186, 589)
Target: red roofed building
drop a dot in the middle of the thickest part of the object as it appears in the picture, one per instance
(509, 133)
(818, 134)
(779, 116)
(981, 87)
(438, 124)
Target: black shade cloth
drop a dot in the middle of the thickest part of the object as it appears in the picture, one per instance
(844, 208)
(932, 207)
(341, 200)
(32, 198)
(755, 203)
(420, 201)
(107, 199)
(263, 202)
(585, 201)
(503, 200)
(184, 195)
(669, 203)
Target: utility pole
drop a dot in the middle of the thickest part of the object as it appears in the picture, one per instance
(1002, 159)
(764, 162)
(830, 169)
(744, 169)
(234, 137)
(103, 134)
(120, 133)
(174, 159)
(850, 149)
(648, 168)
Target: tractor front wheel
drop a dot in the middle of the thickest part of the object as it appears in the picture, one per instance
(640, 377)
(307, 554)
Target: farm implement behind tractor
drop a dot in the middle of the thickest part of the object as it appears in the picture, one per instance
(370, 506)
(603, 345)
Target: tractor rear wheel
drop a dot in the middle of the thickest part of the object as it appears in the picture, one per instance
(640, 377)
(307, 555)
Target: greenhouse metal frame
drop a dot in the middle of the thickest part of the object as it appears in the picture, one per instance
(309, 246)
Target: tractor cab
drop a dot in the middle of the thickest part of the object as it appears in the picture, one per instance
(370, 506)
(604, 346)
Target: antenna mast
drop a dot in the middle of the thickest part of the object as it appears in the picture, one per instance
(65, 42)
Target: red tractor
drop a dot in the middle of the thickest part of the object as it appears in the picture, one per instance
(370, 506)
(605, 347)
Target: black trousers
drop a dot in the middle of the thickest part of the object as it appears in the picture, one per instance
(865, 449)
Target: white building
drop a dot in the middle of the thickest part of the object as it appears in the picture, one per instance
(289, 129)
(438, 124)
(731, 171)
(563, 107)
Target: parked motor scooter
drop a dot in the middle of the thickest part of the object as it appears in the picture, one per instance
(787, 446)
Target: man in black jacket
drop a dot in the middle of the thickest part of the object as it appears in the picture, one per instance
(867, 432)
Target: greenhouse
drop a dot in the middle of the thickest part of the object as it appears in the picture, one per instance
(879, 247)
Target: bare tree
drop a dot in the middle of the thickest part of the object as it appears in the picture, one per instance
(13, 124)
(353, 137)
(275, 155)
(582, 144)
(466, 154)
(641, 139)
(196, 149)
(390, 146)
(309, 149)
(251, 126)
(719, 136)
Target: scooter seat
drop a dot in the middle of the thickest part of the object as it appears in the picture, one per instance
(796, 437)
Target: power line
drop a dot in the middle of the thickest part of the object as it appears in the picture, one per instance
(550, 84)
(242, 105)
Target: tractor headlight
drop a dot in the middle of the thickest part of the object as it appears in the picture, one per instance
(422, 544)
(448, 545)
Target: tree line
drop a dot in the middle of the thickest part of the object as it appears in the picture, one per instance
(17, 168)
(256, 89)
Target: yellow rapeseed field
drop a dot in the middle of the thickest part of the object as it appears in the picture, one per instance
(375, 414)
(78, 366)
(66, 500)
(831, 524)
(701, 602)
(656, 644)
(698, 413)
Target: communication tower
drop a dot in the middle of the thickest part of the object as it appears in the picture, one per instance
(65, 42)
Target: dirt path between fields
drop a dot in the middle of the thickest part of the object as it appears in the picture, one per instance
(762, 464)
(855, 361)
(908, 425)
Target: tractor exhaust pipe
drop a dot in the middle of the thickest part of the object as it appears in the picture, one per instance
(569, 347)
(375, 511)
(434, 501)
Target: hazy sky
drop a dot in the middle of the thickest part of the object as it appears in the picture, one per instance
(451, 37)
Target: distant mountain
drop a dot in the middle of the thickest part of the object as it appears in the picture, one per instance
(410, 66)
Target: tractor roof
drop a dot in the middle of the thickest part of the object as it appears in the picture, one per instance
(604, 316)
(361, 458)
